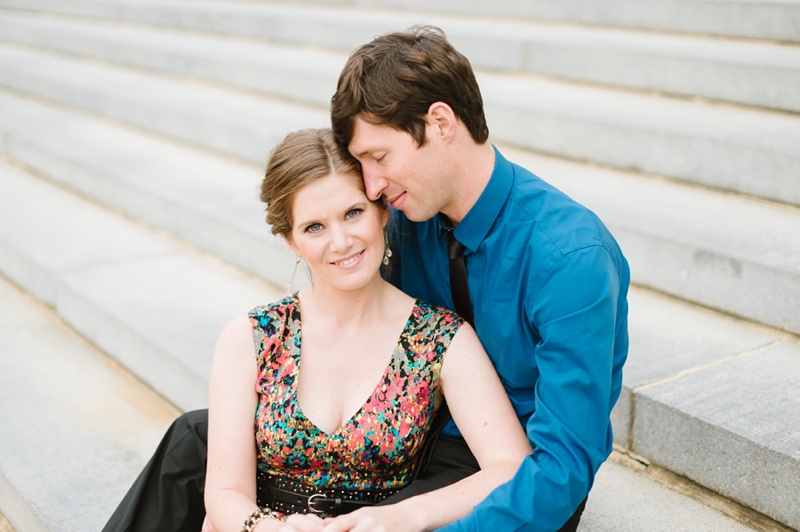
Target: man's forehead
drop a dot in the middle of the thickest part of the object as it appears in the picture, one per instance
(369, 136)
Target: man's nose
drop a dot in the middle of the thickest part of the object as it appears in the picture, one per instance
(374, 184)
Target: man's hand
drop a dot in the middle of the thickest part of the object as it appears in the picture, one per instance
(378, 519)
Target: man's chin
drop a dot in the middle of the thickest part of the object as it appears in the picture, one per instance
(417, 216)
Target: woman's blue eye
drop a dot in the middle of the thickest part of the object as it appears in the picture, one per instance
(313, 228)
(353, 213)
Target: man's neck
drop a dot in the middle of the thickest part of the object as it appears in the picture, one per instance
(473, 170)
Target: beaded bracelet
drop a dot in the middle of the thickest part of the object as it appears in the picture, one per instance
(262, 513)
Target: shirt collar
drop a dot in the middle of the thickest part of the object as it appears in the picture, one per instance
(480, 218)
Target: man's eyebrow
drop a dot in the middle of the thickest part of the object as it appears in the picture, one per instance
(361, 153)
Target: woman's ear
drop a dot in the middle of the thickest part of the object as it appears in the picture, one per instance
(290, 244)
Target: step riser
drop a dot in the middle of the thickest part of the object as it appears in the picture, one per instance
(757, 20)
(719, 450)
(32, 277)
(17, 510)
(714, 280)
(149, 362)
(717, 164)
(718, 440)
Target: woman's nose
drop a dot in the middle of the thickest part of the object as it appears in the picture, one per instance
(341, 239)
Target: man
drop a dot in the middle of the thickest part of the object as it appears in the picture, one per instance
(546, 287)
(546, 280)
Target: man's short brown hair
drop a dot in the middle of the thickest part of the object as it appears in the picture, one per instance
(395, 79)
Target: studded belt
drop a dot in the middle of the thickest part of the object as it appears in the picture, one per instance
(291, 497)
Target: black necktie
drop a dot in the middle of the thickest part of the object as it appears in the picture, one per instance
(458, 275)
(460, 291)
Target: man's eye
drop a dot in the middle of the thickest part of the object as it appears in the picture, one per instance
(379, 159)
(353, 213)
(313, 228)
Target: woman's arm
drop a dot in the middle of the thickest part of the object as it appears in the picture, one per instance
(230, 490)
(481, 410)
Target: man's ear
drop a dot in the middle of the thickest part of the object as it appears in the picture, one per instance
(443, 119)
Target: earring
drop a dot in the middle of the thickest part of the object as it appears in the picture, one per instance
(387, 250)
(290, 286)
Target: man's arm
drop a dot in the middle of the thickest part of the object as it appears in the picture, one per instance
(576, 310)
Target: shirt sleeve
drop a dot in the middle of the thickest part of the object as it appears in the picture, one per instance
(576, 311)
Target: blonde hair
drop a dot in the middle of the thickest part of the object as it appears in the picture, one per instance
(300, 159)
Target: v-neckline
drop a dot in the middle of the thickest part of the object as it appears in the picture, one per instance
(299, 336)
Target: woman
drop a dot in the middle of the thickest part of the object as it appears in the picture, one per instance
(321, 421)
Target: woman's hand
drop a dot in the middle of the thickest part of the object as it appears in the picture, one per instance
(302, 523)
(388, 518)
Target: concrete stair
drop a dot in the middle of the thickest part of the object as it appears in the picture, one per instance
(76, 428)
(141, 128)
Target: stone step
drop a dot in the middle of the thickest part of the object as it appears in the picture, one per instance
(130, 303)
(108, 424)
(771, 20)
(736, 149)
(774, 20)
(75, 429)
(749, 73)
(623, 500)
(125, 288)
(715, 400)
(728, 252)
(206, 200)
(730, 261)
(222, 120)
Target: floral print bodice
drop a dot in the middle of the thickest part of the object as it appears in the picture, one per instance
(377, 447)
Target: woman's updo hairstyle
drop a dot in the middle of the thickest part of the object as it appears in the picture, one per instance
(300, 159)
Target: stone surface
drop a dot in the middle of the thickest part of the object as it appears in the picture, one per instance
(5, 526)
(733, 427)
(745, 259)
(723, 251)
(296, 73)
(152, 306)
(772, 20)
(208, 201)
(732, 149)
(211, 117)
(668, 337)
(161, 318)
(759, 74)
(75, 430)
(697, 406)
(740, 150)
(59, 232)
(624, 501)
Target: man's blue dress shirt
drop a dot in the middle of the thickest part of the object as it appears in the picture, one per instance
(548, 285)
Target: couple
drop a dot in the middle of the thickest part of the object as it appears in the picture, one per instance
(538, 276)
